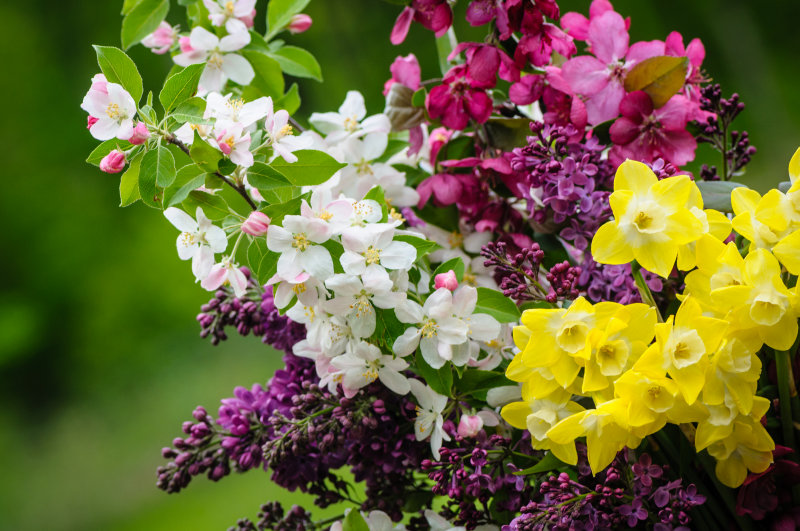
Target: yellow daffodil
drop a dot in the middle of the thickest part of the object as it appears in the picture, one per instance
(762, 220)
(652, 219)
(733, 372)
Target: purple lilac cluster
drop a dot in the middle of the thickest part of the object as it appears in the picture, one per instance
(254, 312)
(615, 282)
(234, 439)
(474, 474)
(624, 495)
(716, 130)
(272, 516)
(566, 182)
(519, 275)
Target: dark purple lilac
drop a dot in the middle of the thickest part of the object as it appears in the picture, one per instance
(716, 130)
(272, 516)
(254, 312)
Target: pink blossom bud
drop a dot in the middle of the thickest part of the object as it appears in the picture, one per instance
(99, 84)
(249, 20)
(140, 134)
(299, 23)
(185, 45)
(446, 280)
(256, 224)
(90, 121)
(114, 162)
(469, 425)
(162, 39)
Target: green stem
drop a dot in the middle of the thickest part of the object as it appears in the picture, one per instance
(444, 45)
(644, 289)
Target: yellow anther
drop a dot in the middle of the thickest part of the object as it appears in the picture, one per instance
(300, 242)
(372, 256)
(455, 239)
(113, 111)
(350, 124)
(429, 328)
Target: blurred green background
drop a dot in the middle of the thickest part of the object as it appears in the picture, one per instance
(100, 359)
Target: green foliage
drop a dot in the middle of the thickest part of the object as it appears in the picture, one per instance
(354, 522)
(477, 383)
(289, 101)
(268, 80)
(376, 194)
(129, 183)
(204, 155)
(262, 262)
(142, 20)
(418, 99)
(312, 167)
(187, 179)
(280, 13)
(717, 194)
(422, 246)
(298, 62)
(549, 462)
(158, 166)
(191, 111)
(119, 68)
(440, 380)
(497, 305)
(457, 148)
(277, 212)
(264, 177)
(180, 86)
(214, 207)
(105, 148)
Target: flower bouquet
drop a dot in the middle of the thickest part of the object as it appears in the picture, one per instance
(502, 302)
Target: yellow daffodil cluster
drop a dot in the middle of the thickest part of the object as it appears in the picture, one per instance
(698, 369)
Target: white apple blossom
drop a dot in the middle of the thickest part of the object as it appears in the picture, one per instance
(221, 64)
(226, 272)
(367, 211)
(227, 109)
(376, 521)
(233, 14)
(280, 137)
(335, 336)
(480, 326)
(336, 213)
(199, 240)
(364, 363)
(374, 245)
(112, 107)
(306, 288)
(185, 133)
(348, 121)
(496, 350)
(297, 243)
(234, 142)
(356, 295)
(438, 330)
(429, 419)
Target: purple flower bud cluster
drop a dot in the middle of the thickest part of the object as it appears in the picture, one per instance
(521, 276)
(716, 130)
(623, 495)
(477, 477)
(567, 182)
(272, 517)
(254, 312)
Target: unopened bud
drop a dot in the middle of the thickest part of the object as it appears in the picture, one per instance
(90, 121)
(114, 162)
(299, 23)
(446, 280)
(470, 425)
(256, 224)
(140, 134)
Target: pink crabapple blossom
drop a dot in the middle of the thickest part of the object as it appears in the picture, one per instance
(140, 134)
(256, 224)
(434, 15)
(456, 101)
(299, 23)
(222, 64)
(446, 280)
(235, 15)
(112, 108)
(225, 272)
(114, 162)
(162, 39)
(280, 134)
(236, 145)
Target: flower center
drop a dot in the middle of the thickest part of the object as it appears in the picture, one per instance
(363, 168)
(286, 130)
(654, 391)
(229, 7)
(299, 288)
(113, 111)
(300, 242)
(325, 215)
(643, 221)
(362, 306)
(215, 60)
(455, 239)
(394, 214)
(372, 256)
(188, 239)
(429, 328)
(469, 279)
(362, 210)
(350, 124)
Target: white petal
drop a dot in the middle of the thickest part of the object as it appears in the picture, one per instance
(374, 145)
(186, 250)
(317, 261)
(238, 281)
(253, 111)
(202, 39)
(406, 343)
(409, 312)
(181, 220)
(279, 240)
(363, 325)
(344, 285)
(352, 263)
(326, 122)
(376, 124)
(440, 304)
(353, 106)
(202, 262)
(451, 330)
(430, 353)
(395, 381)
(483, 327)
(289, 264)
(376, 279)
(464, 300)
(235, 41)
(398, 255)
(238, 68)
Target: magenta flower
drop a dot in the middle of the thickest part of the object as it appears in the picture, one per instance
(444, 187)
(645, 134)
(538, 47)
(406, 71)
(457, 101)
(480, 12)
(434, 15)
(526, 90)
(577, 25)
(600, 78)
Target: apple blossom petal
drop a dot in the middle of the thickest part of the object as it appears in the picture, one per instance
(212, 78)
(202, 39)
(317, 261)
(186, 250)
(279, 240)
(585, 75)
(407, 342)
(217, 239)
(451, 330)
(398, 255)
(675, 113)
(339, 305)
(253, 111)
(353, 106)
(409, 312)
(238, 69)
(353, 263)
(234, 26)
(401, 26)
(215, 278)
(483, 327)
(289, 264)
(430, 353)
(576, 25)
(604, 105)
(235, 41)
(181, 220)
(464, 300)
(378, 123)
(242, 157)
(376, 279)
(237, 280)
(642, 50)
(326, 122)
(362, 324)
(344, 284)
(440, 304)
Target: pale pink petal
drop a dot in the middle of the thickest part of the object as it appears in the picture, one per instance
(585, 75)
(604, 105)
(401, 26)
(215, 277)
(608, 37)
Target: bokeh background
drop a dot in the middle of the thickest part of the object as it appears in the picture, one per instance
(100, 359)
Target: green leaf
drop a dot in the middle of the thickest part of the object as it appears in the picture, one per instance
(128, 5)
(717, 194)
(660, 77)
(265, 177)
(418, 98)
(298, 62)
(508, 133)
(187, 179)
(257, 43)
(444, 217)
(444, 47)
(192, 111)
(148, 173)
(458, 148)
(105, 148)
(119, 68)
(422, 246)
(394, 147)
(280, 13)
(312, 167)
(143, 20)
(289, 101)
(440, 380)
(354, 521)
(455, 264)
(129, 183)
(497, 305)
(161, 164)
(203, 154)
(477, 382)
(549, 462)
(180, 87)
(277, 212)
(262, 262)
(214, 207)
(268, 80)
(376, 194)
(226, 166)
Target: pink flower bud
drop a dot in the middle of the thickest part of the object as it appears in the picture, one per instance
(162, 39)
(90, 121)
(99, 84)
(249, 20)
(114, 162)
(140, 134)
(185, 45)
(299, 23)
(469, 425)
(256, 224)
(446, 280)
